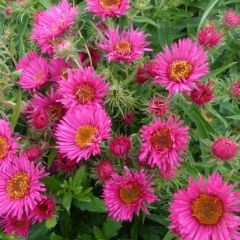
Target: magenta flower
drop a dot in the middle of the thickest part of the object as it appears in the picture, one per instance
(49, 25)
(235, 89)
(120, 146)
(231, 19)
(8, 144)
(105, 169)
(108, 8)
(179, 68)
(34, 71)
(206, 210)
(58, 68)
(20, 188)
(33, 153)
(209, 37)
(81, 131)
(127, 46)
(163, 143)
(224, 148)
(83, 87)
(128, 194)
(158, 106)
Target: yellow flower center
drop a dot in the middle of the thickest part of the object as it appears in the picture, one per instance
(180, 70)
(85, 93)
(161, 139)
(123, 47)
(18, 186)
(56, 111)
(85, 135)
(107, 4)
(207, 209)
(130, 193)
(3, 147)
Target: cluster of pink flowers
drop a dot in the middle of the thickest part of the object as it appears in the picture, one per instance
(67, 103)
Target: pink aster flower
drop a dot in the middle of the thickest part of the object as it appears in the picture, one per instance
(202, 95)
(58, 69)
(19, 227)
(209, 37)
(231, 19)
(235, 89)
(158, 106)
(128, 194)
(8, 144)
(45, 209)
(34, 71)
(63, 165)
(51, 104)
(20, 188)
(179, 68)
(33, 153)
(120, 146)
(127, 46)
(108, 8)
(104, 169)
(81, 131)
(163, 143)
(224, 148)
(83, 87)
(206, 210)
(49, 25)
(39, 119)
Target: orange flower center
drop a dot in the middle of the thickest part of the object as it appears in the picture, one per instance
(18, 186)
(85, 135)
(161, 139)
(180, 70)
(130, 193)
(107, 4)
(207, 209)
(85, 93)
(56, 111)
(39, 77)
(123, 47)
(3, 147)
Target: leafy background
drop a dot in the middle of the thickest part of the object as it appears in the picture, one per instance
(81, 212)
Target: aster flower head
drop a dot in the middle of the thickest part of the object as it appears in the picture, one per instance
(39, 119)
(108, 8)
(231, 19)
(120, 146)
(104, 169)
(235, 89)
(128, 118)
(163, 143)
(18, 226)
(224, 148)
(206, 210)
(45, 209)
(51, 105)
(142, 75)
(33, 153)
(83, 87)
(51, 24)
(128, 194)
(8, 144)
(202, 94)
(179, 68)
(20, 187)
(34, 71)
(58, 69)
(127, 46)
(168, 174)
(209, 36)
(158, 106)
(81, 132)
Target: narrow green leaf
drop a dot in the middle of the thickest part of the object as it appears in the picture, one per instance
(99, 235)
(169, 236)
(16, 111)
(51, 223)
(110, 228)
(67, 200)
(52, 183)
(45, 3)
(141, 19)
(217, 71)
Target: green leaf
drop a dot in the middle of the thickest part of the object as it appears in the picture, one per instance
(51, 223)
(111, 227)
(79, 176)
(141, 19)
(16, 111)
(45, 3)
(234, 117)
(52, 183)
(67, 200)
(159, 219)
(51, 157)
(85, 237)
(217, 71)
(98, 233)
(95, 205)
(38, 231)
(206, 12)
(169, 236)
(54, 236)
